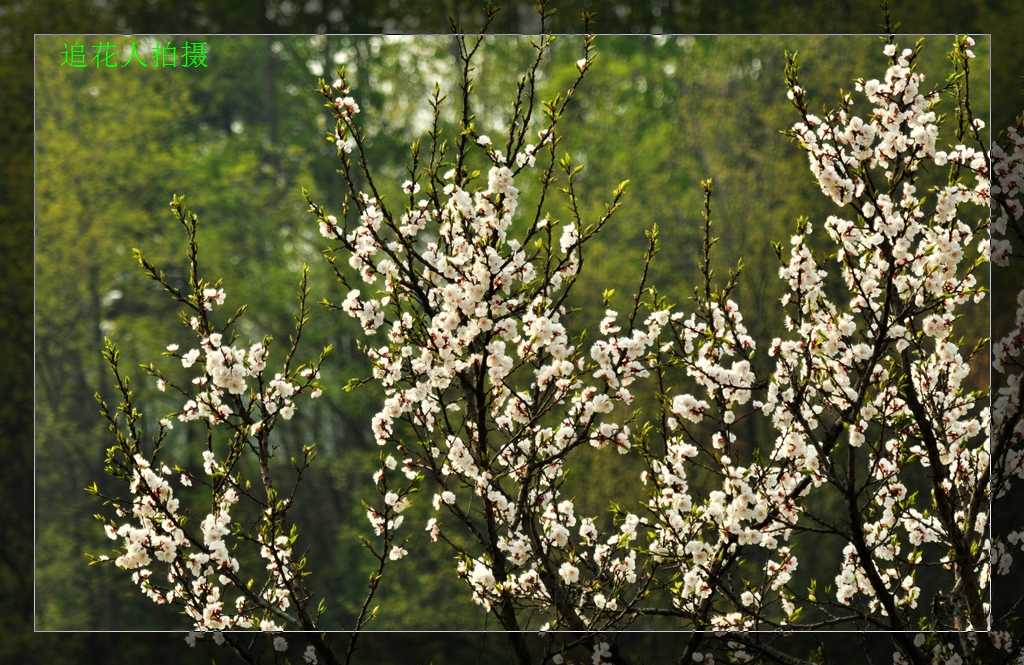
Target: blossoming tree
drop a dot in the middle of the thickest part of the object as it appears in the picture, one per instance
(464, 299)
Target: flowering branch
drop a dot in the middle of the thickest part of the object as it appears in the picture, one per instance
(486, 396)
(238, 403)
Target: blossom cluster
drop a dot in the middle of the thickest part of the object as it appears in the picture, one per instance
(228, 391)
(886, 359)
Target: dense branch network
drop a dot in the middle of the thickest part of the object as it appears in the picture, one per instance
(464, 303)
